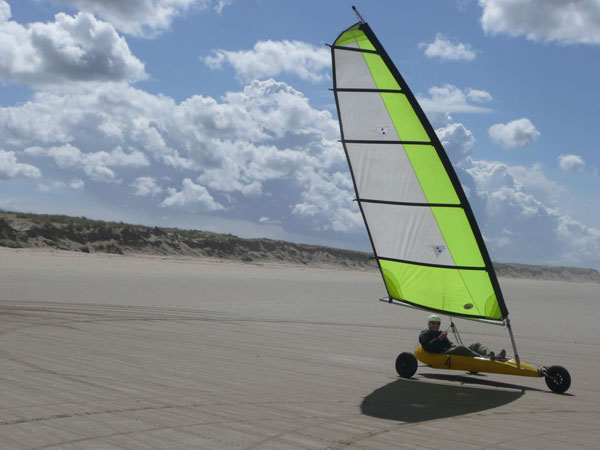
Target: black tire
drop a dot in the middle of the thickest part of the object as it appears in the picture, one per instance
(406, 364)
(558, 379)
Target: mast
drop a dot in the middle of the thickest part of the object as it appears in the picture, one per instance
(360, 19)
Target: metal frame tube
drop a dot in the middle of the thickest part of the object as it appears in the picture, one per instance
(514, 345)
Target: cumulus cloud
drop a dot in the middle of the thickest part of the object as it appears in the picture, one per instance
(72, 49)
(146, 186)
(533, 180)
(272, 58)
(331, 193)
(519, 226)
(444, 49)
(144, 18)
(518, 133)
(458, 141)
(190, 197)
(562, 21)
(11, 168)
(493, 176)
(449, 98)
(571, 163)
(517, 208)
(97, 165)
(241, 148)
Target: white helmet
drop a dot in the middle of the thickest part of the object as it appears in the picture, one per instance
(433, 318)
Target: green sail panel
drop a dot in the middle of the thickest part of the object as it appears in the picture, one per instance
(424, 235)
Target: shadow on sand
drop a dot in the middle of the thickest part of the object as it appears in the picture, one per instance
(475, 379)
(418, 400)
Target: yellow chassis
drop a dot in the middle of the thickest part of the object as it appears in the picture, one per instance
(470, 364)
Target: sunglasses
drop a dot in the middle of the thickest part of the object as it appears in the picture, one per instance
(434, 323)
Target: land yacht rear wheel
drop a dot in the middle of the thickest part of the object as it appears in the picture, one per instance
(406, 364)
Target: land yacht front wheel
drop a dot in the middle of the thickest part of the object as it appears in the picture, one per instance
(557, 379)
(406, 364)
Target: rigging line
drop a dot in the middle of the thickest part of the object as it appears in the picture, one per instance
(388, 202)
(439, 266)
(374, 141)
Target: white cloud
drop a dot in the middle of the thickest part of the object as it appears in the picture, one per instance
(71, 49)
(268, 221)
(144, 18)
(222, 4)
(10, 168)
(96, 165)
(327, 200)
(146, 186)
(518, 133)
(444, 49)
(563, 21)
(267, 122)
(263, 142)
(75, 183)
(449, 98)
(518, 226)
(56, 185)
(458, 141)
(533, 180)
(191, 196)
(272, 58)
(479, 96)
(66, 156)
(571, 163)
(5, 13)
(493, 176)
(245, 166)
(101, 173)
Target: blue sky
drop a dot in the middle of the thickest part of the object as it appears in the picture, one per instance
(216, 115)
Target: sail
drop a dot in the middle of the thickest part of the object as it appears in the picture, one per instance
(424, 235)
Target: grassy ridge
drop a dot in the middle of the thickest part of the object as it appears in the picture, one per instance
(20, 230)
(24, 230)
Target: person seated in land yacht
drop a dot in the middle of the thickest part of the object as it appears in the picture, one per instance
(435, 341)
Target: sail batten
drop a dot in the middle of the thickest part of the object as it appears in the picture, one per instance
(367, 141)
(391, 91)
(440, 266)
(425, 205)
(424, 235)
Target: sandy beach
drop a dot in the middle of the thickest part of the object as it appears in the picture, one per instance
(106, 351)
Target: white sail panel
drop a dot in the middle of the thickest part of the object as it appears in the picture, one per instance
(371, 163)
(364, 117)
(407, 233)
(353, 70)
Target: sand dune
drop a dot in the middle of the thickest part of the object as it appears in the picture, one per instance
(18, 230)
